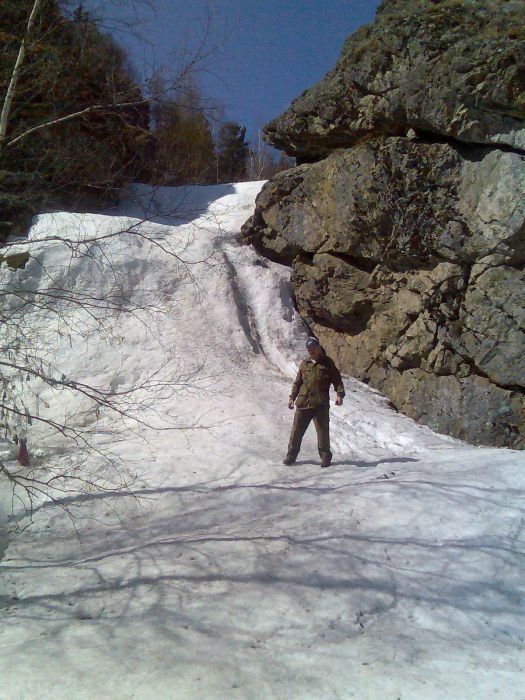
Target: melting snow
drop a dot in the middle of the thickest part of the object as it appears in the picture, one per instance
(396, 573)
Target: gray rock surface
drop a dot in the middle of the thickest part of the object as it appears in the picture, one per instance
(450, 67)
(400, 201)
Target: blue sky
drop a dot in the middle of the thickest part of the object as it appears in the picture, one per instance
(269, 50)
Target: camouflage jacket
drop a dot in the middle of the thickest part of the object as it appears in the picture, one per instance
(312, 384)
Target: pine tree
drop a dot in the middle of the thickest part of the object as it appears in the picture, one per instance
(233, 153)
(184, 150)
(182, 139)
(69, 66)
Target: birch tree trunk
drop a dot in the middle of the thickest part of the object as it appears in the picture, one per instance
(11, 89)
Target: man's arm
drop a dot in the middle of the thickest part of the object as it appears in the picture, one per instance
(295, 387)
(338, 384)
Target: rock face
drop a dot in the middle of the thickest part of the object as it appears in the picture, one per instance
(408, 251)
(450, 67)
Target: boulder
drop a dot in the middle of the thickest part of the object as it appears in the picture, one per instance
(452, 68)
(407, 261)
(405, 203)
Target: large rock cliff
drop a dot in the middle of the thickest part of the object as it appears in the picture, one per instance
(404, 224)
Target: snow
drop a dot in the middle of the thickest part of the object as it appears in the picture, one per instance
(396, 573)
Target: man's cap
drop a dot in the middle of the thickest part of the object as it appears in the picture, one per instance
(312, 343)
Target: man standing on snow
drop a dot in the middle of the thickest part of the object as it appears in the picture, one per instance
(310, 391)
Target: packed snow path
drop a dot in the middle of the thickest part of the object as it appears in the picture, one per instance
(396, 573)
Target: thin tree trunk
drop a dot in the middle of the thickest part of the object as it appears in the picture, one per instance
(11, 89)
(74, 115)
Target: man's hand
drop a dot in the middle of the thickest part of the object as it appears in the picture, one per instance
(290, 403)
(339, 401)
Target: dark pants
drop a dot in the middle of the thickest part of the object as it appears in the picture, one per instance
(301, 421)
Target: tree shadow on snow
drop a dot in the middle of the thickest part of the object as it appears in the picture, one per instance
(216, 551)
(361, 464)
(370, 465)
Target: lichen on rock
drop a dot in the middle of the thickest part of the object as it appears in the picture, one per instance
(447, 67)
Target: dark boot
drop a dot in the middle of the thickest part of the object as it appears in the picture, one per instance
(326, 458)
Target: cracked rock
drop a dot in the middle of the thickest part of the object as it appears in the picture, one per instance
(405, 224)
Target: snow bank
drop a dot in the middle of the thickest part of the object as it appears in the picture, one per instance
(398, 572)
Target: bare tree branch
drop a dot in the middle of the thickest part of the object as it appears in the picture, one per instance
(74, 115)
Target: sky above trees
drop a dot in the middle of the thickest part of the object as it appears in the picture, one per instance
(268, 51)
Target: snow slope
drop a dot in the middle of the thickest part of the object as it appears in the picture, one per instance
(396, 573)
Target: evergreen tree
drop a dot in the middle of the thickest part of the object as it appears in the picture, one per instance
(184, 149)
(233, 153)
(69, 67)
(182, 139)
